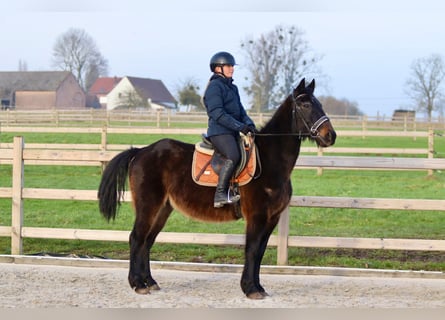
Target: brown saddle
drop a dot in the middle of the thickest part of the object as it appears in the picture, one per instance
(207, 163)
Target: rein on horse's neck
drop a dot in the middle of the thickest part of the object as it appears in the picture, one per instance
(293, 129)
(283, 127)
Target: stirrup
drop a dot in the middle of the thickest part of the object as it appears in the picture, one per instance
(229, 200)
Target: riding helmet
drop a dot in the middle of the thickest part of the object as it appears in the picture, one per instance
(220, 59)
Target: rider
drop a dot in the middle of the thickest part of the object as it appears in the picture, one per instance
(227, 118)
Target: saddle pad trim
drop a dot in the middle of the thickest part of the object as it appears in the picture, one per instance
(201, 149)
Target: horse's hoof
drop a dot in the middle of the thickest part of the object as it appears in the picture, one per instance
(264, 294)
(257, 295)
(144, 290)
(154, 287)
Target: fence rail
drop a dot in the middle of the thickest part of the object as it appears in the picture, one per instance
(105, 131)
(20, 156)
(169, 118)
(106, 149)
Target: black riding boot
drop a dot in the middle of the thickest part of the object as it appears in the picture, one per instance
(222, 194)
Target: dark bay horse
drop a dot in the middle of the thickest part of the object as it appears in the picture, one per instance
(160, 180)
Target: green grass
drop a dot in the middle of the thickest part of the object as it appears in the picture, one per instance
(303, 221)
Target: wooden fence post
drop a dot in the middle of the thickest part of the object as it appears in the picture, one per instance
(158, 119)
(364, 127)
(17, 198)
(320, 154)
(103, 144)
(56, 117)
(283, 235)
(430, 147)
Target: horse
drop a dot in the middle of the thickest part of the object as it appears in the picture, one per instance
(160, 181)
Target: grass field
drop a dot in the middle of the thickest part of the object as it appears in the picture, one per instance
(303, 221)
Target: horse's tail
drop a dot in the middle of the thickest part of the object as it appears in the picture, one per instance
(112, 184)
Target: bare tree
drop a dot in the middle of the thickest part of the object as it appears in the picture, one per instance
(76, 51)
(425, 83)
(276, 61)
(263, 64)
(344, 107)
(188, 95)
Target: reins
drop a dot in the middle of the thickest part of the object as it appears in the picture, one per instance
(299, 134)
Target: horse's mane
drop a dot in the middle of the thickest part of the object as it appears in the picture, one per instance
(276, 123)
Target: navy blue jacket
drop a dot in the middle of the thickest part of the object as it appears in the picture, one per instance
(224, 108)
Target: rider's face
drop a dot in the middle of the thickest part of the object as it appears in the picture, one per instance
(227, 70)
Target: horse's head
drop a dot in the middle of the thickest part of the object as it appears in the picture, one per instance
(310, 119)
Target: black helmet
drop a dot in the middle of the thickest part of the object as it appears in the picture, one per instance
(220, 59)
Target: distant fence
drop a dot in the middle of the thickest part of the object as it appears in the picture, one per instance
(170, 118)
(19, 156)
(104, 131)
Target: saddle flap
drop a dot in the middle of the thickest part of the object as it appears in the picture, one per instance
(205, 164)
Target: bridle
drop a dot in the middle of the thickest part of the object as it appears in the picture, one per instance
(312, 131)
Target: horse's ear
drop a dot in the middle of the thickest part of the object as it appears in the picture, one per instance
(311, 86)
(301, 86)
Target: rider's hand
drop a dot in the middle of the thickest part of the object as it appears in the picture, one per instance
(248, 129)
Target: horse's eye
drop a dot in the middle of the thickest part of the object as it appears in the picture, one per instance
(306, 105)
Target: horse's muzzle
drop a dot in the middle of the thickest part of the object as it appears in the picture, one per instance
(326, 136)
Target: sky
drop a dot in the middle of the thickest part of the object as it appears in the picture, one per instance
(367, 47)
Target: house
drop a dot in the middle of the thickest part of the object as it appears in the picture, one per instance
(132, 92)
(26, 90)
(97, 95)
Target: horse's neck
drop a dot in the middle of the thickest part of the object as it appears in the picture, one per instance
(281, 146)
(287, 148)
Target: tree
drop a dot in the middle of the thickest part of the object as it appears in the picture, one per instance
(130, 99)
(425, 83)
(344, 107)
(76, 51)
(188, 94)
(276, 61)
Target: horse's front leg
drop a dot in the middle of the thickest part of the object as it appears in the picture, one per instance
(257, 236)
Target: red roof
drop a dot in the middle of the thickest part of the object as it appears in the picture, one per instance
(104, 85)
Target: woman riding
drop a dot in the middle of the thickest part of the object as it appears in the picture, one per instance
(227, 118)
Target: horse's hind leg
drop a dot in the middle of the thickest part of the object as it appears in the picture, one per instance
(142, 237)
